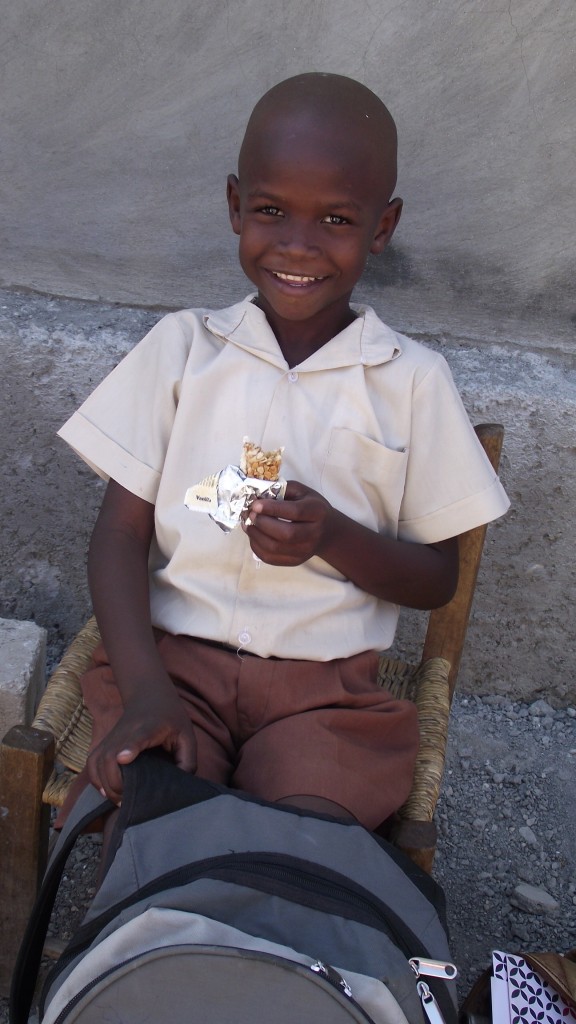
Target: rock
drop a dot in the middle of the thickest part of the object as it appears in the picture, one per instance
(22, 671)
(528, 835)
(541, 709)
(533, 900)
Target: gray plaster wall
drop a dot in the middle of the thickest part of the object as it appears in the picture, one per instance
(121, 120)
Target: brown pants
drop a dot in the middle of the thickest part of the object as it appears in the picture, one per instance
(278, 728)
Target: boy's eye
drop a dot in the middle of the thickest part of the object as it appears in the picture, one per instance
(272, 211)
(334, 218)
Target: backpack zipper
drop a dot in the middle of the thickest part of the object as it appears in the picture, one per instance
(433, 968)
(431, 1009)
(338, 982)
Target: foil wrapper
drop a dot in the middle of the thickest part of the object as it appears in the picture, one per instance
(228, 495)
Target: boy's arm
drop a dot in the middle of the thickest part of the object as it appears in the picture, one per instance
(290, 532)
(118, 576)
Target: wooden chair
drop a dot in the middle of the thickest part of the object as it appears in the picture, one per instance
(38, 762)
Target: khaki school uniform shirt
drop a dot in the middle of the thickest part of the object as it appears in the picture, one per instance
(372, 420)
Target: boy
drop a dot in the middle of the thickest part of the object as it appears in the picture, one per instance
(252, 656)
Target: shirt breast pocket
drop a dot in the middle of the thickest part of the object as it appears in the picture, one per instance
(364, 479)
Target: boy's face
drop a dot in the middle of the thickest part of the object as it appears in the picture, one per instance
(309, 207)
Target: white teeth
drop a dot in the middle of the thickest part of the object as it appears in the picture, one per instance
(298, 278)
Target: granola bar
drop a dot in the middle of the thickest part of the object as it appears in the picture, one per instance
(258, 464)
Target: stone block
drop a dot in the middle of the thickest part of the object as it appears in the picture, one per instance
(22, 671)
(533, 900)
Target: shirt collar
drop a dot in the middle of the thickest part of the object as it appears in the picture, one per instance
(366, 341)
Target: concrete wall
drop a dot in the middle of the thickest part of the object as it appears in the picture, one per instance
(122, 120)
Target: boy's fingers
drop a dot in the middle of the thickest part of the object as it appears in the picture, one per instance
(126, 756)
(108, 782)
(284, 509)
(112, 780)
(289, 511)
(268, 532)
(182, 745)
(295, 490)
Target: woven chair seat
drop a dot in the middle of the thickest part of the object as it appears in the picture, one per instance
(62, 712)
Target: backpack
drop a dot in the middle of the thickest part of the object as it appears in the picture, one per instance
(216, 906)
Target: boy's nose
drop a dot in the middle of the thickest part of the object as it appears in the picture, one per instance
(299, 239)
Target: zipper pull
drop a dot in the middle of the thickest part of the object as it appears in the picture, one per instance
(332, 976)
(433, 968)
(429, 1004)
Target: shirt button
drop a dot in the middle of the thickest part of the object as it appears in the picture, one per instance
(244, 637)
(293, 376)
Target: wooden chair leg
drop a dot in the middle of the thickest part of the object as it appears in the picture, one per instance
(26, 758)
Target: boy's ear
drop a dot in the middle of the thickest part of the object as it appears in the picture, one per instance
(386, 225)
(233, 197)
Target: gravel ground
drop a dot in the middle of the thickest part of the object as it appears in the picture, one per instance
(507, 847)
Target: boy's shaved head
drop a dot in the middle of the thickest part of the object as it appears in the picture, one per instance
(311, 201)
(332, 111)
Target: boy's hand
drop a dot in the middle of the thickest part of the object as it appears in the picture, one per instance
(291, 531)
(155, 720)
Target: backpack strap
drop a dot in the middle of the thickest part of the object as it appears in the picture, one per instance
(153, 786)
(87, 809)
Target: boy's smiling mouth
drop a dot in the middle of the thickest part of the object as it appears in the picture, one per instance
(297, 280)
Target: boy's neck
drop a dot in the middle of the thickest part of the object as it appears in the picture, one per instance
(299, 339)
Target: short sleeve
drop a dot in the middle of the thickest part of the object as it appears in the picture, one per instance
(123, 429)
(450, 484)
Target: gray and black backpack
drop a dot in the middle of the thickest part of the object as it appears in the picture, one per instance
(216, 907)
